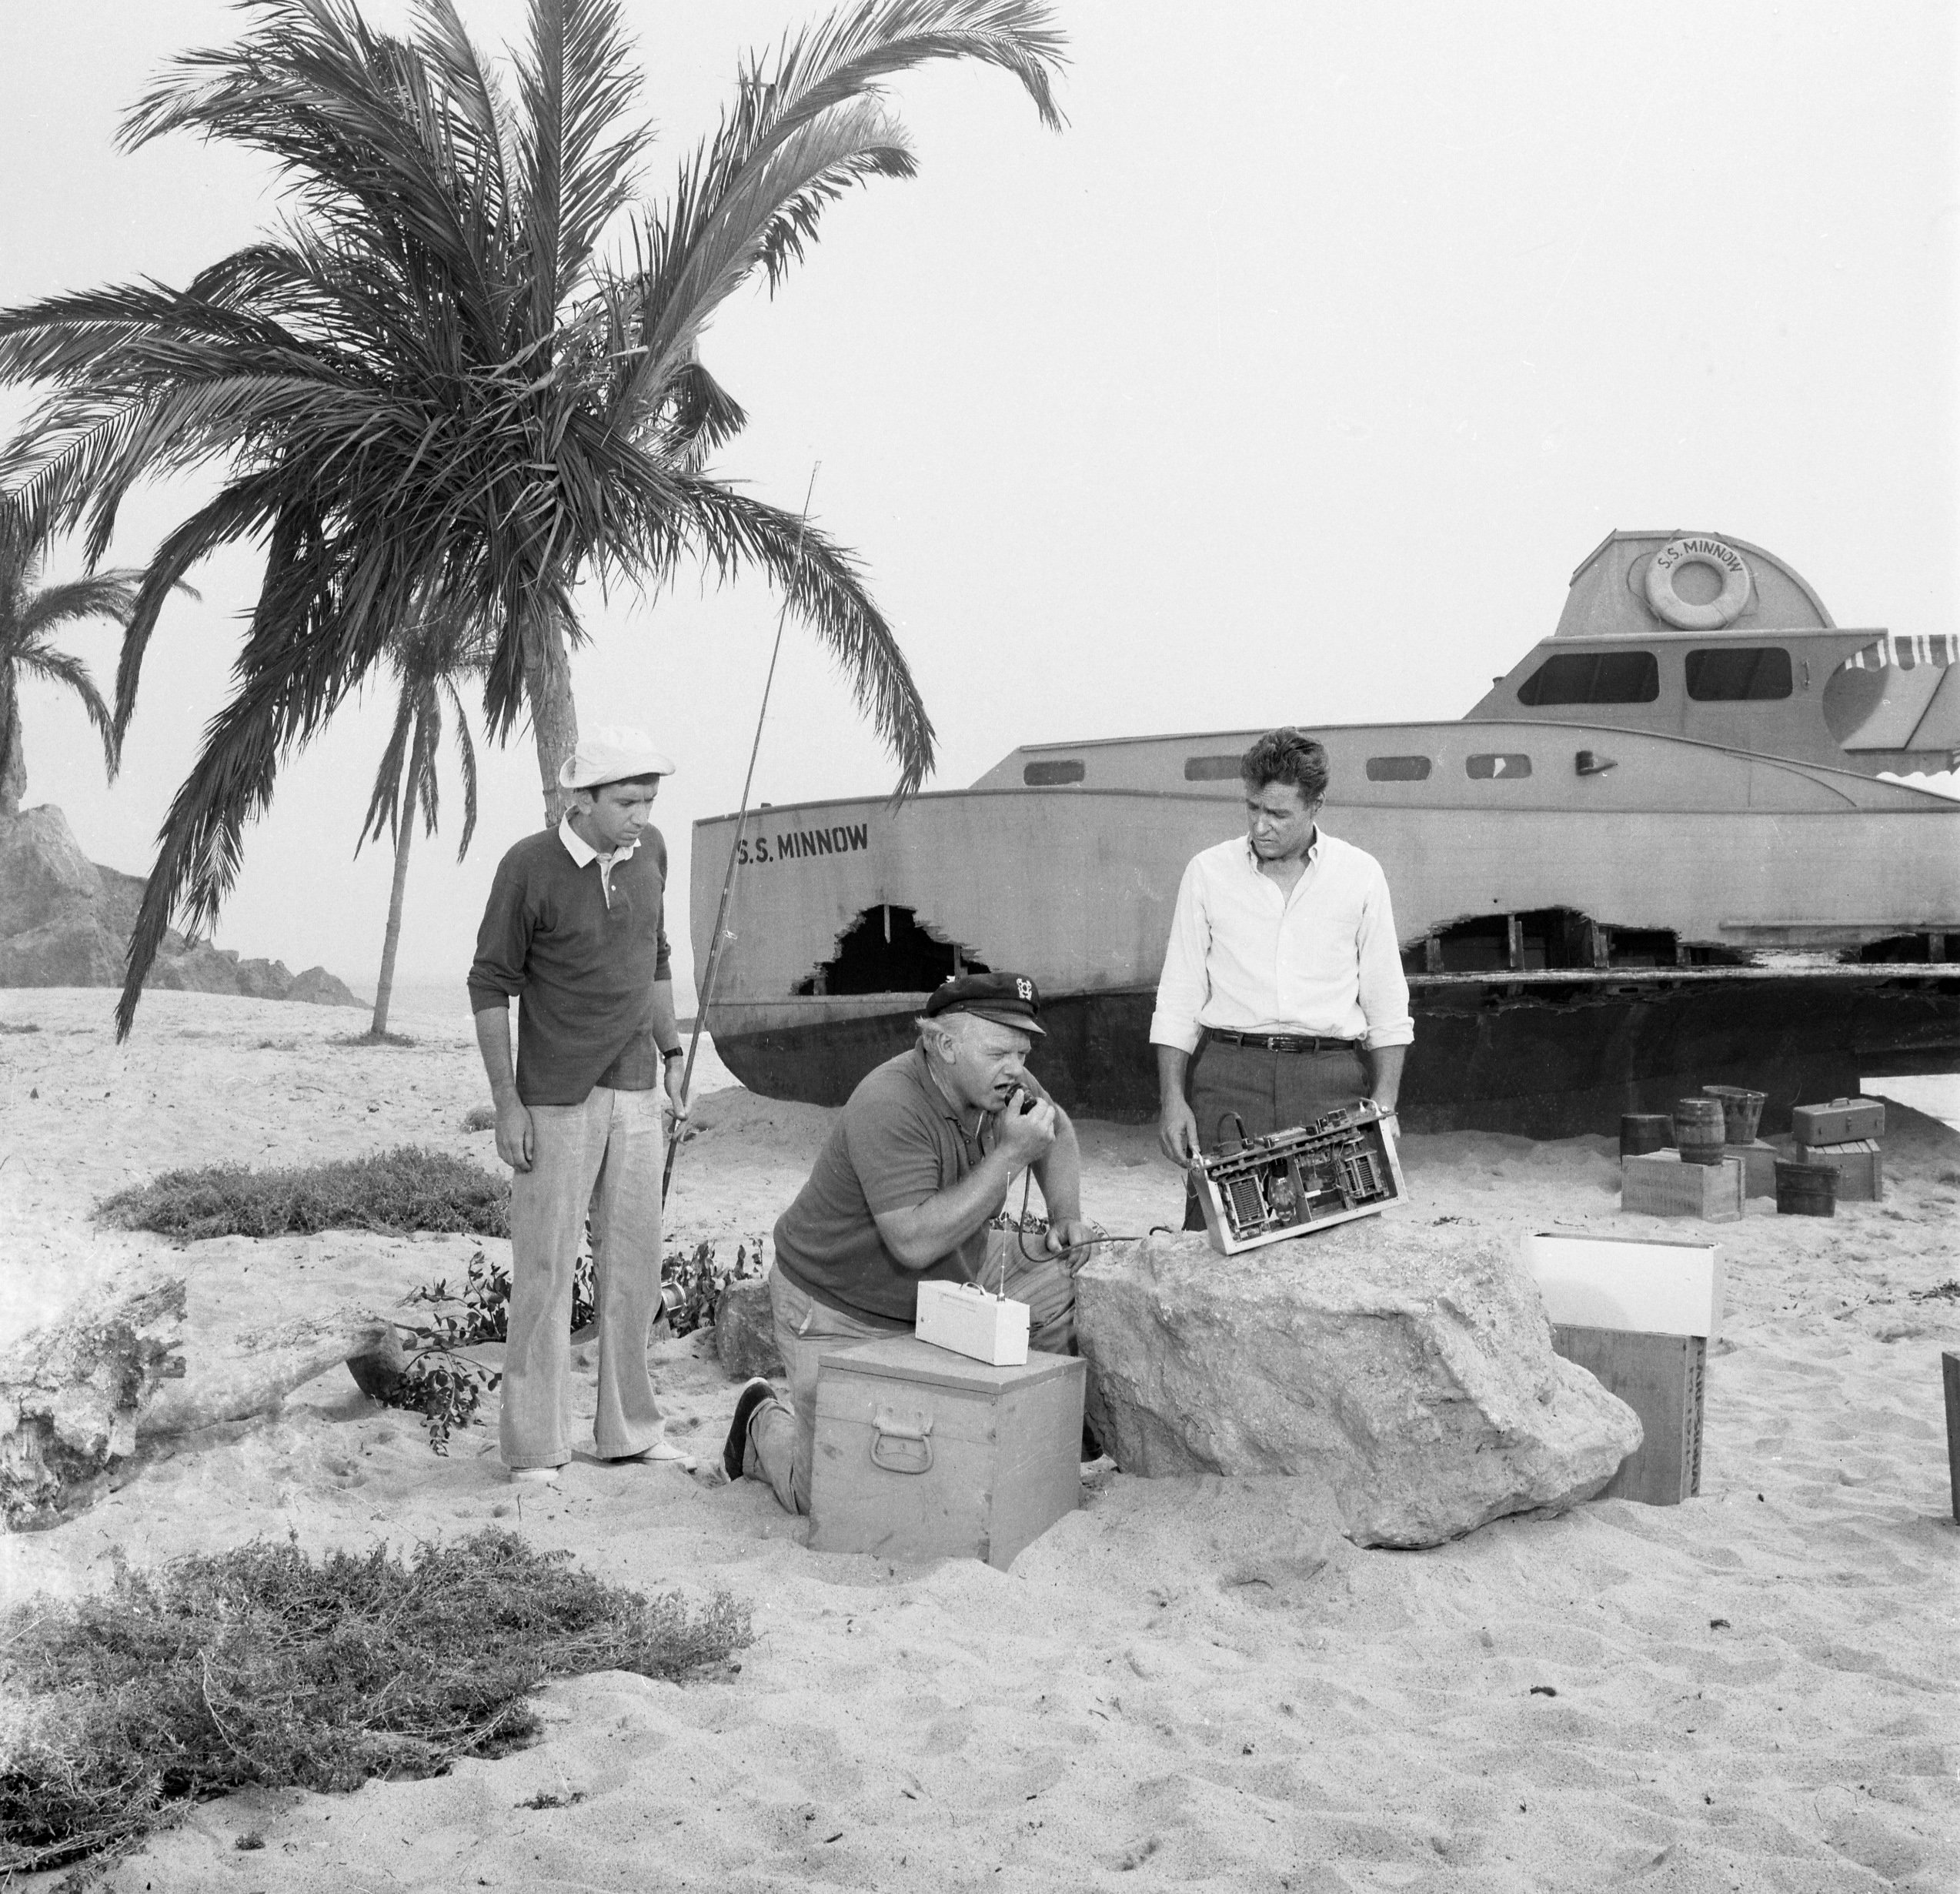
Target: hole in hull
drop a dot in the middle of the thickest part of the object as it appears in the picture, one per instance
(886, 950)
(1553, 939)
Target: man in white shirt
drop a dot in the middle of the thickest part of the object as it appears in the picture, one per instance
(1283, 975)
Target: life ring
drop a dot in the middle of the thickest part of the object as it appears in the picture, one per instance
(1724, 561)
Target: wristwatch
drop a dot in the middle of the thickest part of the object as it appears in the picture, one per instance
(677, 1052)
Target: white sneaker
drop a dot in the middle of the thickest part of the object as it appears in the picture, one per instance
(660, 1450)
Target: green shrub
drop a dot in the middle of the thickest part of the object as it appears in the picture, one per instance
(408, 1188)
(259, 1667)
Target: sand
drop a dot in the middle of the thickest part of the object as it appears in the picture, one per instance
(1754, 1690)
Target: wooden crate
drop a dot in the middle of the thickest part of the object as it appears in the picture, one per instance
(1662, 1378)
(1840, 1120)
(1860, 1165)
(1656, 1184)
(922, 1454)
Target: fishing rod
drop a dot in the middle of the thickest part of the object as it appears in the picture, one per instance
(734, 858)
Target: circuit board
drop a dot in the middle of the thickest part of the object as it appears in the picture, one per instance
(1287, 1184)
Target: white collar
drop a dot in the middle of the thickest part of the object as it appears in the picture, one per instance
(1312, 855)
(583, 851)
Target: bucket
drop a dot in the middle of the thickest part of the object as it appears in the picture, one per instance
(1698, 1130)
(1642, 1131)
(1742, 1111)
(1806, 1190)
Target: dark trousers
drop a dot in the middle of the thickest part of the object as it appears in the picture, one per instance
(1270, 1091)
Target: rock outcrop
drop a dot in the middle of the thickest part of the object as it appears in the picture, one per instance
(1408, 1368)
(65, 921)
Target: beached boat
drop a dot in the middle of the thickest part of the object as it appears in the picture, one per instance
(1667, 849)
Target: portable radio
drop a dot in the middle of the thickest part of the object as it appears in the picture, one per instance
(1288, 1183)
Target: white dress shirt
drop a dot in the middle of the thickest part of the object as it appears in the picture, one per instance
(582, 852)
(1246, 956)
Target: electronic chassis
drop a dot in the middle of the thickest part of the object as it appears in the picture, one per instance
(1262, 1190)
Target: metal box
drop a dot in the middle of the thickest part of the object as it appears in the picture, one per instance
(1288, 1183)
(966, 1319)
(1662, 1378)
(1860, 1165)
(1840, 1120)
(1658, 1184)
(920, 1454)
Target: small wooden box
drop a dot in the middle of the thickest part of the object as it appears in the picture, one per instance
(1840, 1122)
(1656, 1184)
(1661, 1378)
(921, 1454)
(1860, 1165)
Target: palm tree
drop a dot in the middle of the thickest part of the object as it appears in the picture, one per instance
(30, 613)
(428, 656)
(430, 390)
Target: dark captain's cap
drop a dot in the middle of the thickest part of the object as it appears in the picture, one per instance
(1005, 999)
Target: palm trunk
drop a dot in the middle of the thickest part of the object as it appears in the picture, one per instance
(13, 761)
(554, 717)
(383, 986)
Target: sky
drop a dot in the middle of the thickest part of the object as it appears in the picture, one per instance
(1289, 383)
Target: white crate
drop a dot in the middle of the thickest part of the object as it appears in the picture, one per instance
(1624, 1283)
(983, 1328)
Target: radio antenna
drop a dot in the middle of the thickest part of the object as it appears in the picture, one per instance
(734, 858)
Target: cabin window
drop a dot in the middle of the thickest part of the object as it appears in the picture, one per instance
(1047, 775)
(1483, 768)
(1398, 769)
(1212, 768)
(1738, 674)
(1593, 677)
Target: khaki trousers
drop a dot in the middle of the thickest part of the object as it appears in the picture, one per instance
(604, 1155)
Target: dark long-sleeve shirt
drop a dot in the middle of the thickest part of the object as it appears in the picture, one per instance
(582, 967)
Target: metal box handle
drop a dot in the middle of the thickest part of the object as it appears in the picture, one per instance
(901, 1446)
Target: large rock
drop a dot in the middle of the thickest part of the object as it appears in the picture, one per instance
(65, 921)
(1409, 1366)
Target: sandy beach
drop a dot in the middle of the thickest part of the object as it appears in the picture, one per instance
(1194, 1683)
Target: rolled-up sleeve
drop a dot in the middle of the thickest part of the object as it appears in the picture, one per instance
(1384, 990)
(503, 942)
(1184, 987)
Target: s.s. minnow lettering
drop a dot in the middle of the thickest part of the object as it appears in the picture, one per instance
(845, 838)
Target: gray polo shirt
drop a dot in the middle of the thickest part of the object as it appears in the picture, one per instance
(896, 1142)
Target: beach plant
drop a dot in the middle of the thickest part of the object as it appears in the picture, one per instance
(444, 1382)
(30, 615)
(430, 656)
(406, 1189)
(433, 385)
(260, 1667)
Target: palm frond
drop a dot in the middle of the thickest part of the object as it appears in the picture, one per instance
(576, 80)
(111, 595)
(465, 765)
(57, 667)
(727, 530)
(384, 801)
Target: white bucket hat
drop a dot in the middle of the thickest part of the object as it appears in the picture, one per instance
(610, 754)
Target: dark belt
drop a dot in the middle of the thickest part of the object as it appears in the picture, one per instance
(1283, 1042)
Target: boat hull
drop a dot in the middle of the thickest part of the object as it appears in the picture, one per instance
(1537, 1059)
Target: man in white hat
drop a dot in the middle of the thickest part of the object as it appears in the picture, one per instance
(574, 931)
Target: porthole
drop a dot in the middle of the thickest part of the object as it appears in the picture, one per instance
(1048, 775)
(1487, 767)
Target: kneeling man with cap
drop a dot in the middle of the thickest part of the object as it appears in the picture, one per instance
(574, 931)
(916, 1166)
